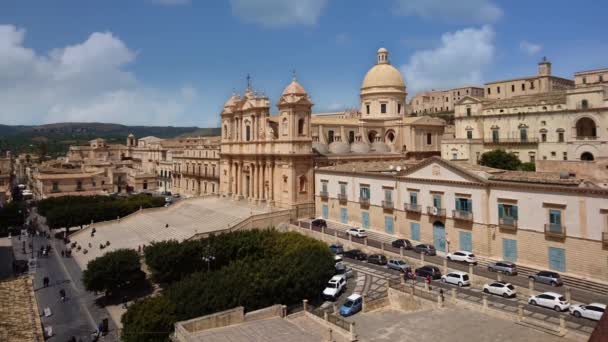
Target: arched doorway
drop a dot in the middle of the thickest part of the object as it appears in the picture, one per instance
(390, 137)
(585, 127)
(439, 236)
(587, 156)
(372, 136)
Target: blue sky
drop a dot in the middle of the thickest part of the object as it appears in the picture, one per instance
(175, 62)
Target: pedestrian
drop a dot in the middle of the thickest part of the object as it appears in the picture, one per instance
(441, 295)
(45, 282)
(167, 225)
(62, 253)
(62, 295)
(428, 281)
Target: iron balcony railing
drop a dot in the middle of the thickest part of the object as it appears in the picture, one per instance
(507, 222)
(364, 201)
(555, 230)
(586, 137)
(511, 141)
(605, 239)
(413, 208)
(434, 211)
(342, 198)
(389, 205)
(462, 215)
(323, 194)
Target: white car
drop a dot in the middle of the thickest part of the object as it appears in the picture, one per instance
(456, 278)
(357, 232)
(551, 300)
(592, 311)
(337, 258)
(334, 287)
(462, 256)
(500, 288)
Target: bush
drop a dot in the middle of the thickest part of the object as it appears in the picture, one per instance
(69, 211)
(11, 216)
(116, 270)
(148, 320)
(500, 159)
(527, 167)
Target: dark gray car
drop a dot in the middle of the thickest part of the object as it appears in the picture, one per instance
(506, 267)
(547, 277)
(426, 249)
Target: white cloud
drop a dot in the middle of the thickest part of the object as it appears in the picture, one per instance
(467, 11)
(459, 60)
(87, 82)
(172, 2)
(276, 13)
(530, 48)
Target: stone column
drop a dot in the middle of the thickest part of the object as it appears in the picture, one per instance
(229, 177)
(252, 176)
(258, 181)
(263, 166)
(271, 174)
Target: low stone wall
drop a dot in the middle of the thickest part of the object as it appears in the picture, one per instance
(375, 304)
(271, 311)
(184, 329)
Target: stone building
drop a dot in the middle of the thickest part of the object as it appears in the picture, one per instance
(196, 168)
(543, 220)
(556, 125)
(268, 158)
(441, 101)
(6, 178)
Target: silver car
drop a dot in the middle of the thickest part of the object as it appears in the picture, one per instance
(398, 265)
(506, 267)
(547, 277)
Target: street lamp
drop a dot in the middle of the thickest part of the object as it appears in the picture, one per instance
(208, 257)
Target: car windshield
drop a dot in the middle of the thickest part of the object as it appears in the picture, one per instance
(562, 299)
(399, 262)
(510, 287)
(332, 285)
(472, 255)
(465, 277)
(348, 304)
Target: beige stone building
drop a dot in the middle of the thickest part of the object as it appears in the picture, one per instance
(556, 125)
(196, 168)
(6, 178)
(441, 101)
(542, 220)
(543, 82)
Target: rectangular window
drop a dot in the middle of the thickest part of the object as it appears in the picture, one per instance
(55, 186)
(560, 137)
(367, 109)
(508, 213)
(523, 135)
(343, 189)
(343, 216)
(466, 241)
(543, 137)
(489, 91)
(413, 198)
(389, 225)
(464, 204)
(429, 139)
(469, 134)
(509, 250)
(415, 231)
(513, 87)
(555, 220)
(523, 86)
(468, 111)
(365, 219)
(557, 259)
(399, 108)
(565, 155)
(495, 136)
(497, 90)
(454, 156)
(364, 192)
(383, 108)
(437, 201)
(388, 195)
(325, 210)
(324, 186)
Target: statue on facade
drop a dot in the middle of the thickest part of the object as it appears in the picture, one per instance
(270, 133)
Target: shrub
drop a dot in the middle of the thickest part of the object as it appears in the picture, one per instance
(500, 159)
(116, 270)
(148, 320)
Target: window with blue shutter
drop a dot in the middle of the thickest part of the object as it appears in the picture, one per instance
(343, 215)
(364, 192)
(388, 195)
(413, 198)
(437, 201)
(557, 259)
(555, 220)
(509, 250)
(365, 219)
(466, 241)
(415, 231)
(463, 204)
(325, 211)
(389, 226)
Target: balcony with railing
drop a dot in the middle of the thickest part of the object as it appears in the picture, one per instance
(434, 211)
(586, 137)
(388, 205)
(462, 215)
(412, 208)
(508, 223)
(364, 201)
(554, 230)
(342, 198)
(511, 141)
(324, 195)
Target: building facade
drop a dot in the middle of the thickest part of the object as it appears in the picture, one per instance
(441, 101)
(196, 168)
(537, 219)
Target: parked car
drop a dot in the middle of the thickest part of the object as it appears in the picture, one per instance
(551, 300)
(318, 223)
(463, 256)
(405, 243)
(354, 304)
(336, 248)
(398, 265)
(342, 269)
(428, 270)
(177, 195)
(357, 232)
(547, 277)
(500, 288)
(592, 311)
(426, 249)
(506, 267)
(168, 199)
(377, 259)
(337, 258)
(355, 254)
(334, 287)
(457, 278)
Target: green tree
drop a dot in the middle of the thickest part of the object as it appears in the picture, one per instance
(527, 167)
(500, 159)
(149, 320)
(116, 270)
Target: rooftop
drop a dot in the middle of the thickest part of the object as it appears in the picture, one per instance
(552, 98)
(536, 177)
(19, 316)
(373, 167)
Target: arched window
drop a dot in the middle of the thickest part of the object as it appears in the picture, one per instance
(390, 137)
(285, 127)
(585, 127)
(301, 126)
(247, 133)
(587, 156)
(302, 183)
(372, 136)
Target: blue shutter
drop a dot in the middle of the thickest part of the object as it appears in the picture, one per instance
(469, 205)
(415, 231)
(509, 250)
(555, 216)
(343, 215)
(365, 219)
(514, 211)
(458, 206)
(501, 211)
(325, 211)
(557, 259)
(413, 198)
(466, 241)
(389, 224)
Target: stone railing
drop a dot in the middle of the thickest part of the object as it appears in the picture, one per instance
(264, 220)
(553, 230)
(412, 208)
(434, 211)
(507, 223)
(462, 215)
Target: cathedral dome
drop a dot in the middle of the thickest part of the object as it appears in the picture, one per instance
(320, 147)
(383, 74)
(294, 88)
(380, 147)
(339, 147)
(359, 147)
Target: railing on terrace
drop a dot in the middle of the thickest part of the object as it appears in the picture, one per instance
(462, 215)
(342, 198)
(434, 211)
(507, 223)
(511, 141)
(323, 194)
(554, 230)
(364, 201)
(388, 205)
(413, 208)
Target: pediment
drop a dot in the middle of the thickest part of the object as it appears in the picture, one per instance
(441, 170)
(468, 100)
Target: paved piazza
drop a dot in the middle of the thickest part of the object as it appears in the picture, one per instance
(185, 219)
(452, 324)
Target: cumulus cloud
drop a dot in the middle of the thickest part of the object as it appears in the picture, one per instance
(530, 48)
(459, 60)
(468, 11)
(277, 13)
(87, 82)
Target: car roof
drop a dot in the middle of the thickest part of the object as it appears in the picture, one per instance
(354, 296)
(458, 272)
(337, 277)
(464, 252)
(598, 305)
(555, 294)
(501, 282)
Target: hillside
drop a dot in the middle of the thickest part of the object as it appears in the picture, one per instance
(57, 137)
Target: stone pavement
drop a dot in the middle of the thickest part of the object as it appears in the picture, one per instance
(452, 324)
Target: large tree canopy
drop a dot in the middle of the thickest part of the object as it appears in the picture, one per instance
(500, 159)
(119, 269)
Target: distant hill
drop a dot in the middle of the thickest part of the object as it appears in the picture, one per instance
(59, 136)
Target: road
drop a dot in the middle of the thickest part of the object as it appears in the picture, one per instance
(79, 315)
(475, 295)
(579, 292)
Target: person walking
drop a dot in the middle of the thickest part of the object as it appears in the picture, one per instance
(45, 282)
(62, 295)
(428, 282)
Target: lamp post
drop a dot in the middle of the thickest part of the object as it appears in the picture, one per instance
(208, 257)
